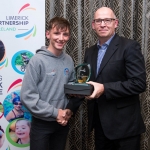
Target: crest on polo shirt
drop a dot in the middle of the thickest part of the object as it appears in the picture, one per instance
(66, 71)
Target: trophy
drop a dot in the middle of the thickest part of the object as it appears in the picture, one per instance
(80, 87)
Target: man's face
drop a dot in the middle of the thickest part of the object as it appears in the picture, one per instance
(104, 30)
(58, 38)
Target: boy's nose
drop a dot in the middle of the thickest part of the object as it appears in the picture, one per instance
(61, 37)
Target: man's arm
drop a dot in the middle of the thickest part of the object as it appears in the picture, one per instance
(74, 103)
(135, 74)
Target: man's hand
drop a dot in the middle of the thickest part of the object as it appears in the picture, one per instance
(64, 116)
(68, 114)
(98, 90)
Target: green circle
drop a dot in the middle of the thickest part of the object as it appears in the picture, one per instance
(10, 140)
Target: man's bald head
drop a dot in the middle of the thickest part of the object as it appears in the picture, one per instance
(104, 11)
(104, 23)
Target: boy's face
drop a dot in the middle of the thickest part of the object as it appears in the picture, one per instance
(58, 38)
(22, 129)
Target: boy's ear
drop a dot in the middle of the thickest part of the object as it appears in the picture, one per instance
(48, 34)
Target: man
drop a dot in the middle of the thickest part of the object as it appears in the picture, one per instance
(118, 76)
(42, 90)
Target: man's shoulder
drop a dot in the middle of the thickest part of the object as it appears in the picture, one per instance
(91, 48)
(126, 40)
(127, 43)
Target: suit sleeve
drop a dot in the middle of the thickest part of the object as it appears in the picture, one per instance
(135, 82)
(74, 104)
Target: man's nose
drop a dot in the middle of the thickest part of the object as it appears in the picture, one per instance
(103, 23)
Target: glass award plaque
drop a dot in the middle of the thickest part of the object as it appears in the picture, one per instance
(80, 87)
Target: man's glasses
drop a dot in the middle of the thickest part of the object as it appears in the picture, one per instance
(107, 21)
(17, 103)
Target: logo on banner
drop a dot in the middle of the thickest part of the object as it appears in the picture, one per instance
(17, 83)
(20, 61)
(3, 59)
(1, 85)
(30, 32)
(20, 23)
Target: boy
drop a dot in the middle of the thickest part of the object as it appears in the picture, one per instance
(43, 89)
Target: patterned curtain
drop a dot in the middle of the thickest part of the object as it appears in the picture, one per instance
(134, 23)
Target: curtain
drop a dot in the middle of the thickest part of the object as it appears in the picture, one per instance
(134, 23)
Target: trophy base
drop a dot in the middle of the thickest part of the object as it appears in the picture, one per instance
(78, 88)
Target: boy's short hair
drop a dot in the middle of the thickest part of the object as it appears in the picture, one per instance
(59, 23)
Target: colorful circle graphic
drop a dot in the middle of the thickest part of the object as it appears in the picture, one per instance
(2, 50)
(2, 137)
(20, 61)
(1, 110)
(13, 108)
(18, 133)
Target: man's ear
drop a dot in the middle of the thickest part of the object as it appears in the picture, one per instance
(48, 34)
(93, 25)
(116, 23)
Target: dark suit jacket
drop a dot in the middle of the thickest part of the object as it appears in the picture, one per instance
(122, 72)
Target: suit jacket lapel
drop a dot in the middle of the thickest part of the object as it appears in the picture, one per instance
(94, 60)
(109, 52)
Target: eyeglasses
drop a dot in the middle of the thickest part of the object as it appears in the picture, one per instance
(107, 21)
(17, 103)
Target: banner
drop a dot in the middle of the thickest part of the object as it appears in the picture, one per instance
(22, 32)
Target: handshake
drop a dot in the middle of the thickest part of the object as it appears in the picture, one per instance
(64, 116)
